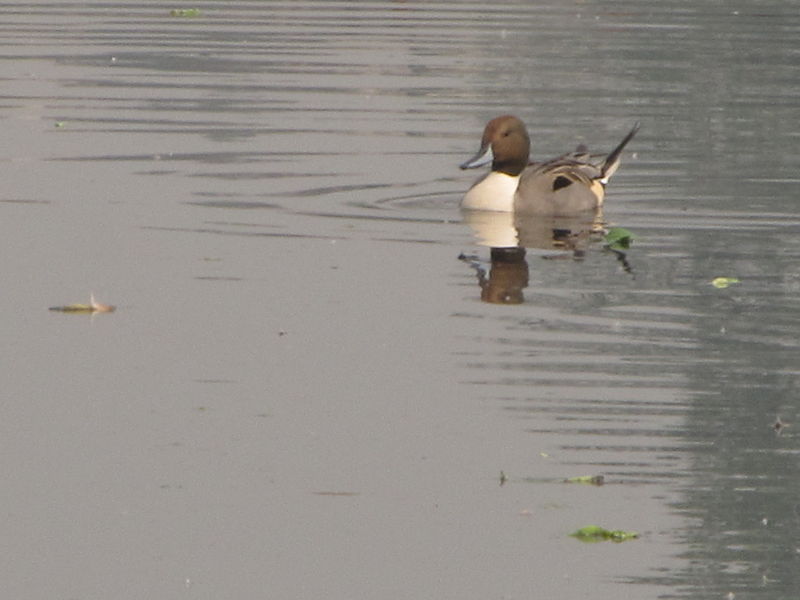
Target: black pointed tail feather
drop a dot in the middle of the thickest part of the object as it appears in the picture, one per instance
(611, 162)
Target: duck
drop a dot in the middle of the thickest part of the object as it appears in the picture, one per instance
(568, 185)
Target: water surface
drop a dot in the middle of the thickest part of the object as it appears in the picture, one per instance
(304, 392)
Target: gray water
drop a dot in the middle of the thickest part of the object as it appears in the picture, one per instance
(303, 392)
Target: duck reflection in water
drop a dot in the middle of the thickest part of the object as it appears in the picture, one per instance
(509, 235)
(507, 277)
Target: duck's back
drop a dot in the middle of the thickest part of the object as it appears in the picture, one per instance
(560, 187)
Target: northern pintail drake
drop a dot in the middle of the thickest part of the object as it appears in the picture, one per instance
(567, 185)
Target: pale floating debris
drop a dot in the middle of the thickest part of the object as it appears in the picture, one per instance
(93, 307)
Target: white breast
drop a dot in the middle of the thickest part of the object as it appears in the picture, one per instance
(493, 192)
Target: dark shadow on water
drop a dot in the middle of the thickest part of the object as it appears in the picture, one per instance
(235, 204)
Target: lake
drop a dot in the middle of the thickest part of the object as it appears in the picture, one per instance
(322, 380)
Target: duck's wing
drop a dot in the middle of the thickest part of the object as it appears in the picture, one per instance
(570, 183)
(562, 186)
(564, 171)
(580, 166)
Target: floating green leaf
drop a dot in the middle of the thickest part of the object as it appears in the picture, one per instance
(594, 533)
(619, 238)
(185, 12)
(723, 282)
(587, 479)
